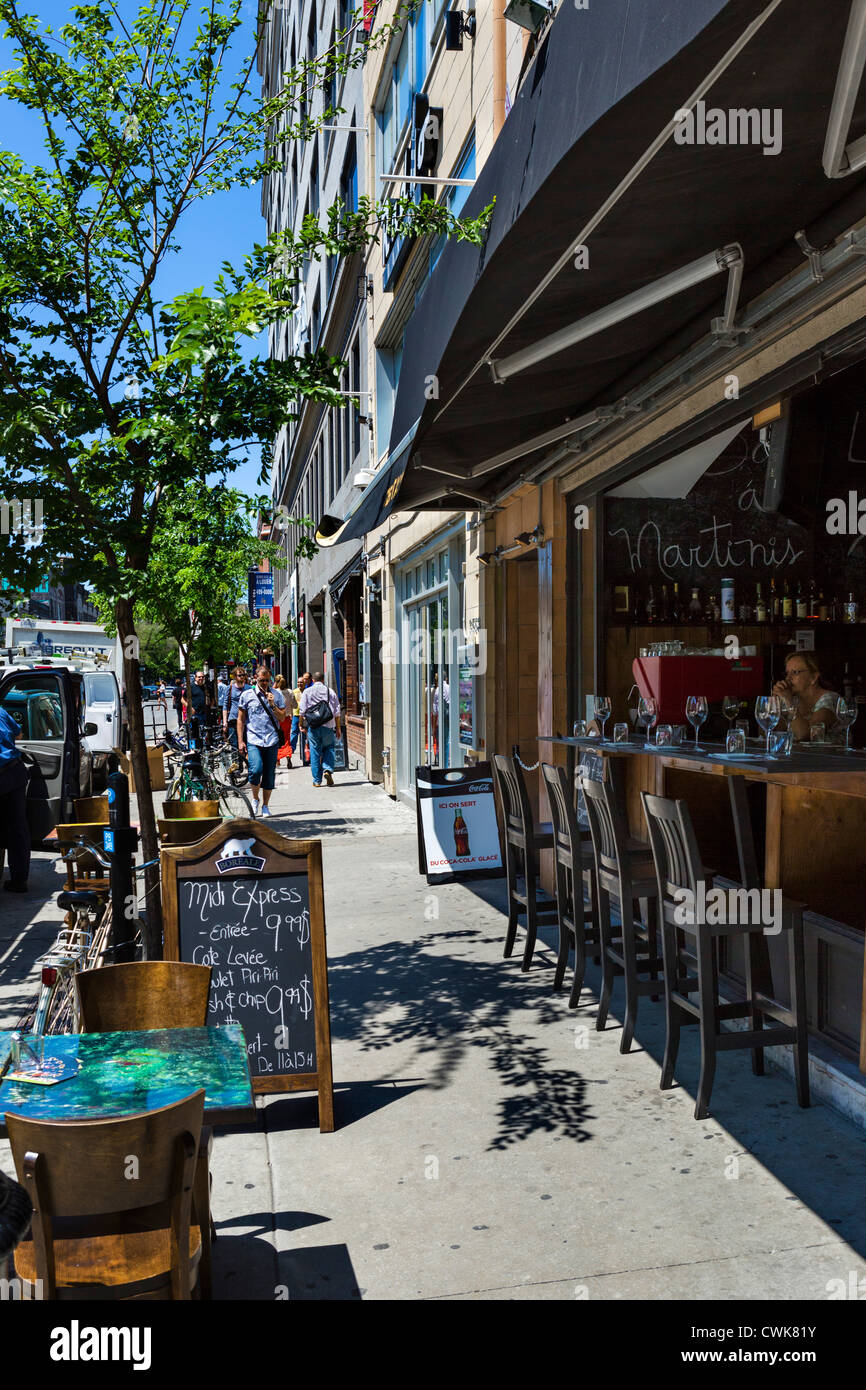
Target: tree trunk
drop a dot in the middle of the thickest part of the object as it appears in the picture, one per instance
(123, 616)
(187, 675)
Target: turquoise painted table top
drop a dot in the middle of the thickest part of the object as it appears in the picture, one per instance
(121, 1073)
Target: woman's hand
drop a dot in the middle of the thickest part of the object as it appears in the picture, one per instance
(782, 688)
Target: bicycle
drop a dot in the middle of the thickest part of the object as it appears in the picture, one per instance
(193, 780)
(83, 943)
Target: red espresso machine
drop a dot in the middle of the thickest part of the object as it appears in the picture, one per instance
(670, 680)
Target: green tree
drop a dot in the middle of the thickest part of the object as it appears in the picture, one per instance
(110, 400)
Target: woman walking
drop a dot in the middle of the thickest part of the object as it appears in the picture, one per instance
(285, 721)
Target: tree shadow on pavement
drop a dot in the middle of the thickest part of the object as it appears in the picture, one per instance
(449, 1005)
(353, 1100)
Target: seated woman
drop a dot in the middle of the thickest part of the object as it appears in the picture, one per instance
(814, 702)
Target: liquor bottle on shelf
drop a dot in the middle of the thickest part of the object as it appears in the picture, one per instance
(775, 601)
(745, 613)
(713, 610)
(676, 606)
(638, 612)
(813, 599)
(760, 606)
(651, 613)
(852, 610)
(802, 607)
(696, 612)
(787, 603)
(728, 607)
(664, 608)
(824, 608)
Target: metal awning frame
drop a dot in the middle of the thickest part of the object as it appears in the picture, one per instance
(840, 158)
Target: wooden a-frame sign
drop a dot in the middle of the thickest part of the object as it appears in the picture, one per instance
(249, 903)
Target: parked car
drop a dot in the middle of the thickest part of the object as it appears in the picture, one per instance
(49, 708)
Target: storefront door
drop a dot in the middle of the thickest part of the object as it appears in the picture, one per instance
(428, 667)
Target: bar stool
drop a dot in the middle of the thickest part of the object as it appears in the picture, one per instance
(574, 861)
(522, 843)
(623, 870)
(678, 868)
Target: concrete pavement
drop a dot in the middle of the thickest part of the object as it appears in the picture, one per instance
(490, 1144)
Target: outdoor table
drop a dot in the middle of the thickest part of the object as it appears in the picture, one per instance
(122, 1073)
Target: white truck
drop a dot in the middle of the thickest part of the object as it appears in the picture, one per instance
(45, 637)
(86, 648)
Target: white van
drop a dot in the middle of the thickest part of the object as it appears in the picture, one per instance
(102, 707)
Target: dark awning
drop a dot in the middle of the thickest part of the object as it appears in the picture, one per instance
(373, 504)
(607, 81)
(339, 582)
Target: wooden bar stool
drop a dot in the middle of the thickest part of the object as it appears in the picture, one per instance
(679, 870)
(522, 843)
(574, 861)
(624, 871)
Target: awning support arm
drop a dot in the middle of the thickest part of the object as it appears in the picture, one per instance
(839, 158)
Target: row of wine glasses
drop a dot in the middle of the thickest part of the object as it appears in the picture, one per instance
(769, 711)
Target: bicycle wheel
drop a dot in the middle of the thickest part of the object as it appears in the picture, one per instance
(229, 768)
(235, 804)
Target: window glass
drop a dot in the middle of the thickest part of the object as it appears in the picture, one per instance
(431, 573)
(36, 705)
(404, 86)
(443, 565)
(100, 688)
(420, 31)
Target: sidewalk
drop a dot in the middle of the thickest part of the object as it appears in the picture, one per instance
(491, 1144)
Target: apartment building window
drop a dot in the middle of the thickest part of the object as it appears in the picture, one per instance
(349, 179)
(361, 408)
(314, 182)
(344, 10)
(456, 197)
(315, 321)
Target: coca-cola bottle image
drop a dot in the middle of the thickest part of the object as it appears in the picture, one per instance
(461, 836)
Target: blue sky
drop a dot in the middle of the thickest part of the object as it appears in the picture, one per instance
(219, 228)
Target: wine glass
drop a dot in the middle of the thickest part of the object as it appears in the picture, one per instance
(602, 711)
(646, 713)
(846, 713)
(768, 712)
(730, 708)
(696, 713)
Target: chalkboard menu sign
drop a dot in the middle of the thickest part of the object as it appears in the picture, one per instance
(248, 902)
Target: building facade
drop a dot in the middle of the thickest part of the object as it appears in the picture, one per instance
(318, 456)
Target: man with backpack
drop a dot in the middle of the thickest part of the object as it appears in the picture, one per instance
(319, 712)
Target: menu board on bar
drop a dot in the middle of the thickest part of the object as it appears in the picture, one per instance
(458, 836)
(248, 903)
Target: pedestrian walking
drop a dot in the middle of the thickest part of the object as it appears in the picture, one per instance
(230, 704)
(259, 733)
(160, 694)
(285, 721)
(303, 681)
(320, 716)
(14, 830)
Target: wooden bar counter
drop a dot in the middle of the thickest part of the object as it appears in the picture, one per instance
(795, 823)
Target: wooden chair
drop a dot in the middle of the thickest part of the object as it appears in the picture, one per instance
(624, 872)
(155, 994)
(573, 855)
(686, 942)
(522, 843)
(99, 1232)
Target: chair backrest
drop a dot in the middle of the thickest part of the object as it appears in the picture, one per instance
(606, 824)
(143, 994)
(566, 831)
(513, 796)
(675, 851)
(83, 1168)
